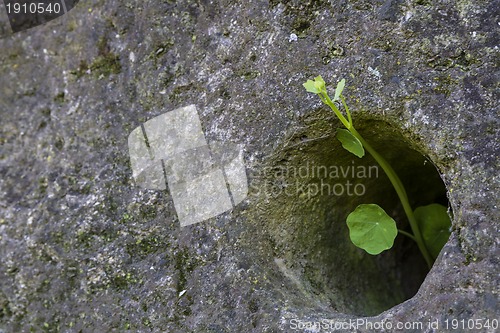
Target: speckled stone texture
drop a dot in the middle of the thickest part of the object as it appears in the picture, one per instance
(83, 249)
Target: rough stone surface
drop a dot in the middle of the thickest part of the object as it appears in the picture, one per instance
(83, 249)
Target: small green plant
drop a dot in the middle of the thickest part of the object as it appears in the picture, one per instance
(370, 227)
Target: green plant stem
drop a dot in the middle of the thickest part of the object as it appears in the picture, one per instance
(398, 186)
(407, 234)
(346, 109)
(326, 99)
(391, 174)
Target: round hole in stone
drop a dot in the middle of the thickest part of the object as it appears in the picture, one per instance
(308, 190)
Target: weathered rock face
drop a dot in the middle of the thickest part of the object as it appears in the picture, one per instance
(84, 249)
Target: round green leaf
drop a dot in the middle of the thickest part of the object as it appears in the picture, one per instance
(316, 86)
(371, 229)
(350, 142)
(434, 224)
(320, 83)
(311, 87)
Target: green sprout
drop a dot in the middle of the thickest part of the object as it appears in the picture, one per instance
(370, 227)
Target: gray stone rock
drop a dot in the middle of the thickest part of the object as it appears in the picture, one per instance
(84, 249)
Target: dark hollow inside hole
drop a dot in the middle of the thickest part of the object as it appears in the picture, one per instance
(308, 219)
